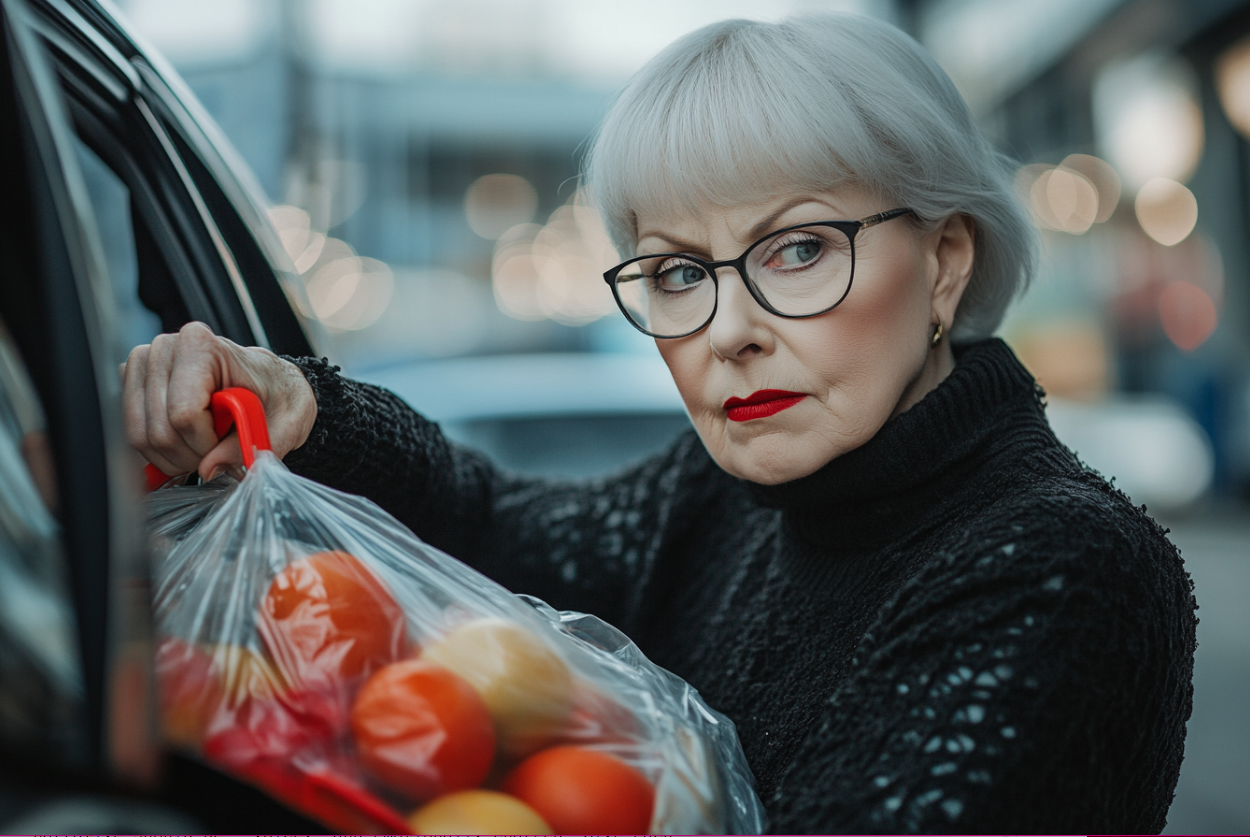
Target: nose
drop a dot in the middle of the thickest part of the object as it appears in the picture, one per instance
(740, 329)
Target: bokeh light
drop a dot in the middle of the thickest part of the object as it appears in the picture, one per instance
(554, 271)
(301, 242)
(495, 203)
(342, 290)
(1166, 210)
(1232, 81)
(1102, 176)
(1070, 358)
(1188, 315)
(1071, 197)
(1148, 119)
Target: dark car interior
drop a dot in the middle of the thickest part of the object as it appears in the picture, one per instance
(115, 224)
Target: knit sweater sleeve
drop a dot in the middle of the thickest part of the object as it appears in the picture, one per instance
(587, 546)
(1013, 681)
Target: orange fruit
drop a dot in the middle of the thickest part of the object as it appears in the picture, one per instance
(203, 686)
(422, 731)
(329, 616)
(581, 791)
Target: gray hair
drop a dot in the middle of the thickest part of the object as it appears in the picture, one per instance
(742, 111)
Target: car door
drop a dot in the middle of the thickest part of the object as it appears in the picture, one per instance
(189, 236)
(55, 304)
(77, 722)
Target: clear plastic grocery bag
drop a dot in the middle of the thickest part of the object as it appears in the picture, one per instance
(310, 643)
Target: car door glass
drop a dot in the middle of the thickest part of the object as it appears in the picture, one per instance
(134, 323)
(39, 662)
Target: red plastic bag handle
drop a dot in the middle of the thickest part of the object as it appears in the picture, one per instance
(240, 407)
(237, 407)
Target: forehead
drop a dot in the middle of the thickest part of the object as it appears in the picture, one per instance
(710, 224)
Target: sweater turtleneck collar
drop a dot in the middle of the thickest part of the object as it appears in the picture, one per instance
(899, 466)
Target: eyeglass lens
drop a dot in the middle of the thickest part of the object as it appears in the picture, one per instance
(798, 272)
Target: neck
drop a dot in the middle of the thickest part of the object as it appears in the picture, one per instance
(938, 365)
(986, 406)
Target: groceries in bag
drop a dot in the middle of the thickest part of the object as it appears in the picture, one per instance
(311, 644)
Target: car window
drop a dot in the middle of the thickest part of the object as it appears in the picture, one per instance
(110, 199)
(39, 662)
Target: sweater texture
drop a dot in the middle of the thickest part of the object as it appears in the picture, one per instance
(956, 627)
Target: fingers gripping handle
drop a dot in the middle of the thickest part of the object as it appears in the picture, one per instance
(237, 407)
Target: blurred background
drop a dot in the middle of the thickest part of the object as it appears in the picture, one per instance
(421, 157)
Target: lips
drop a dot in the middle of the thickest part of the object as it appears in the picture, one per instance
(762, 404)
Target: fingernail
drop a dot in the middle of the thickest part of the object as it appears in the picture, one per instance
(216, 472)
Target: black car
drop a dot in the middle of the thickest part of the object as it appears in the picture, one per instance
(124, 214)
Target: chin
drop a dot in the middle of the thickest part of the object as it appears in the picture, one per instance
(771, 461)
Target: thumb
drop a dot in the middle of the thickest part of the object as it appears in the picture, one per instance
(226, 456)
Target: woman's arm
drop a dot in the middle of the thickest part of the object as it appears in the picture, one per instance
(1034, 681)
(584, 545)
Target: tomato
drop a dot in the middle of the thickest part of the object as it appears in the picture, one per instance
(299, 729)
(526, 685)
(263, 747)
(293, 745)
(422, 731)
(580, 791)
(190, 692)
(328, 617)
(477, 812)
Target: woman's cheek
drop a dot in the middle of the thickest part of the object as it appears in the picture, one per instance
(688, 365)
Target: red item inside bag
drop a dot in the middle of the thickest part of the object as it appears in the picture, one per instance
(312, 645)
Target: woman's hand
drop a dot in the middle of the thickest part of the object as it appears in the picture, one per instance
(167, 385)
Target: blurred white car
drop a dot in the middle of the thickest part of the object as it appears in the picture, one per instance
(555, 414)
(1158, 455)
(583, 414)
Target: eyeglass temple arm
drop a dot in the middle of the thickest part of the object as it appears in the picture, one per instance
(873, 220)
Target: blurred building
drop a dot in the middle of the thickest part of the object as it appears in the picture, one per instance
(423, 155)
(1131, 118)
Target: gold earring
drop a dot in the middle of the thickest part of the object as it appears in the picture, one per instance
(937, 336)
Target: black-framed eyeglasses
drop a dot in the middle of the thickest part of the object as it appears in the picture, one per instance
(796, 272)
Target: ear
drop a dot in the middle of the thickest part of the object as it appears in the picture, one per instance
(954, 253)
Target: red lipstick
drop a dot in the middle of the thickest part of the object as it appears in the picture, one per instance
(762, 404)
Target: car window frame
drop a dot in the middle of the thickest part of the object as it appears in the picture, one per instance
(64, 338)
(223, 209)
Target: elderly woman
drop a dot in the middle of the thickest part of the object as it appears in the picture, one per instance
(921, 610)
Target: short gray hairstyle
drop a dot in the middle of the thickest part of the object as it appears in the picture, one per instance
(741, 111)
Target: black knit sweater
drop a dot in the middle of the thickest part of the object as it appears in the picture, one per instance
(955, 627)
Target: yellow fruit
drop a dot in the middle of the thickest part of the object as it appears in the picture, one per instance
(525, 684)
(245, 673)
(477, 812)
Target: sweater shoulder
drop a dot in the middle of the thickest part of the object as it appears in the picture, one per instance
(1073, 512)
(1064, 531)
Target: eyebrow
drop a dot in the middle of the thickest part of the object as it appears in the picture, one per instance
(763, 227)
(757, 232)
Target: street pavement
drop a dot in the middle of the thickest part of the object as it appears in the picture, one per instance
(1213, 796)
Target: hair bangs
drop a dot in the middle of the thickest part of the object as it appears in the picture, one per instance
(741, 112)
(728, 133)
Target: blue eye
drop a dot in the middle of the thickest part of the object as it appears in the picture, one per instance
(801, 252)
(680, 276)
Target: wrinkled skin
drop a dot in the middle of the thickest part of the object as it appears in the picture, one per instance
(865, 361)
(166, 387)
